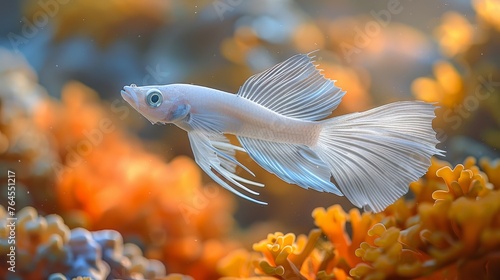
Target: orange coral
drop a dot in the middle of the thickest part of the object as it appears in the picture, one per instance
(308, 37)
(238, 263)
(333, 221)
(178, 220)
(356, 80)
(69, 150)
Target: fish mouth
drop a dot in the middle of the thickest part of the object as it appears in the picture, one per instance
(129, 95)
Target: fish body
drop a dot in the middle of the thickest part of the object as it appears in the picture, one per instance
(231, 114)
(279, 116)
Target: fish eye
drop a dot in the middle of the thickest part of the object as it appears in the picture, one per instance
(154, 98)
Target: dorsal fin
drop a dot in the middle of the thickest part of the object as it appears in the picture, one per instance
(294, 88)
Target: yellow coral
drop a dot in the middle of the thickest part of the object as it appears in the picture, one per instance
(460, 182)
(104, 20)
(451, 227)
(458, 228)
(283, 256)
(492, 170)
(488, 11)
(455, 34)
(446, 88)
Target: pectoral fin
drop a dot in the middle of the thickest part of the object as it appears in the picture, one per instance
(292, 163)
(214, 154)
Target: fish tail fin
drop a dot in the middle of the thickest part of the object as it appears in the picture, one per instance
(374, 155)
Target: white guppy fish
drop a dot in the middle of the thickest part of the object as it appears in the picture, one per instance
(277, 116)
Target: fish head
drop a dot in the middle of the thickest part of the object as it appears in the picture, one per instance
(158, 104)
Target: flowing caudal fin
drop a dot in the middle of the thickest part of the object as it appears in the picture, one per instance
(374, 155)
